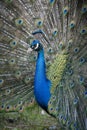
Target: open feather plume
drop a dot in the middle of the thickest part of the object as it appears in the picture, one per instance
(61, 28)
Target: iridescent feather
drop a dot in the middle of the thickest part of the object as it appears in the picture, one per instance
(61, 28)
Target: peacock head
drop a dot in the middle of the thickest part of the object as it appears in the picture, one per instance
(36, 45)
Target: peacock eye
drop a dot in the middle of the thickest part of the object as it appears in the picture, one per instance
(35, 45)
(12, 61)
(1, 81)
(84, 9)
(72, 84)
(51, 2)
(85, 94)
(72, 25)
(81, 79)
(8, 107)
(19, 22)
(17, 74)
(75, 101)
(82, 60)
(21, 109)
(2, 106)
(13, 43)
(65, 11)
(20, 102)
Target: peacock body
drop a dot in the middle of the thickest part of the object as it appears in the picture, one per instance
(57, 32)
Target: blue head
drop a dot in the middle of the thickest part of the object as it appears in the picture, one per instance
(36, 45)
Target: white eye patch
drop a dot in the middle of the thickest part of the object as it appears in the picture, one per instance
(36, 46)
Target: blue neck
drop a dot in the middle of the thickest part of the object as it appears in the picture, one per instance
(41, 84)
(40, 66)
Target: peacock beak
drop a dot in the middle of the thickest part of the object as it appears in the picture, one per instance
(31, 46)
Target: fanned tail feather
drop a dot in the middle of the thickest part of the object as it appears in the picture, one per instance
(61, 26)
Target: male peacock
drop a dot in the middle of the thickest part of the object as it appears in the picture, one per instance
(60, 79)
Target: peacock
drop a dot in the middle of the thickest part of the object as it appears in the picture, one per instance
(43, 59)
